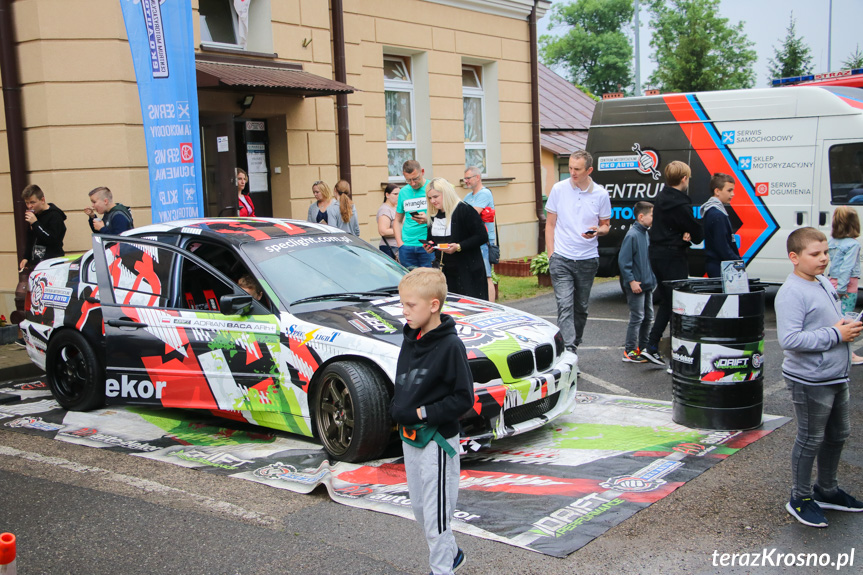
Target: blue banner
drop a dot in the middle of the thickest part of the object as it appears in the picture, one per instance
(162, 42)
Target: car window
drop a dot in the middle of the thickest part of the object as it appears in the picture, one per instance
(196, 280)
(305, 267)
(139, 274)
(846, 174)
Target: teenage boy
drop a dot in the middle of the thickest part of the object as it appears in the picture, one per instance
(116, 218)
(638, 282)
(719, 245)
(251, 286)
(674, 227)
(47, 228)
(434, 387)
(411, 232)
(815, 339)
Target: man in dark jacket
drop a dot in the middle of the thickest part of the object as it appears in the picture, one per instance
(674, 227)
(116, 218)
(719, 245)
(47, 228)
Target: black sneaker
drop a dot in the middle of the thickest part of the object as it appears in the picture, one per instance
(459, 560)
(840, 501)
(653, 356)
(807, 512)
(20, 341)
(633, 357)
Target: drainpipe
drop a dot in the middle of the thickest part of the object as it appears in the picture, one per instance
(534, 114)
(341, 99)
(14, 137)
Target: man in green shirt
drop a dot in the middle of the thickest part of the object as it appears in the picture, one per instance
(412, 231)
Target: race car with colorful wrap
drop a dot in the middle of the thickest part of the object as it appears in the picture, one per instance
(156, 317)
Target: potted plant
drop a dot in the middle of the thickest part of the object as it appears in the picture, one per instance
(539, 268)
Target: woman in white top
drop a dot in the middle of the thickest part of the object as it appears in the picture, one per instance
(386, 215)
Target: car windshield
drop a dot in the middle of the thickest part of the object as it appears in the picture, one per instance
(303, 267)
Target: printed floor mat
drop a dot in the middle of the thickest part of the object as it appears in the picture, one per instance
(552, 490)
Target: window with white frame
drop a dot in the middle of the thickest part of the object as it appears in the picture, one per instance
(236, 24)
(399, 96)
(473, 98)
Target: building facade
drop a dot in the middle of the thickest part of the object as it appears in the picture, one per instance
(443, 81)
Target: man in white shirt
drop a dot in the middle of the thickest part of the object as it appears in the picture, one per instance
(579, 210)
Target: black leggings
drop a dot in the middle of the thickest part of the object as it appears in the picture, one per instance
(665, 268)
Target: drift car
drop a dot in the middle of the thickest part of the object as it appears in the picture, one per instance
(156, 317)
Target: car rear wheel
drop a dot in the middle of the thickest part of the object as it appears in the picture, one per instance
(75, 375)
(351, 412)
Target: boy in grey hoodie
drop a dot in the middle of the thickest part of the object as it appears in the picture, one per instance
(815, 337)
(638, 282)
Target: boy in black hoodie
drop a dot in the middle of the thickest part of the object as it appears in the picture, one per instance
(434, 387)
(47, 228)
(674, 227)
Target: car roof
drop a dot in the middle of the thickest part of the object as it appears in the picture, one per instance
(237, 230)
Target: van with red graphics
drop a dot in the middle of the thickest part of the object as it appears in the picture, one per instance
(795, 154)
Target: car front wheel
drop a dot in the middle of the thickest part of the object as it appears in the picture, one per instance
(351, 412)
(75, 375)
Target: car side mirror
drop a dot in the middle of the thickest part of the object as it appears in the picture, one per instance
(236, 304)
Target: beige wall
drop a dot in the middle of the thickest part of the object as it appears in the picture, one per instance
(83, 125)
(448, 37)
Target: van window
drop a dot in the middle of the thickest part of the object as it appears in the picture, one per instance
(846, 174)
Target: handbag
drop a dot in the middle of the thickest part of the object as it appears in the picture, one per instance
(493, 248)
(493, 253)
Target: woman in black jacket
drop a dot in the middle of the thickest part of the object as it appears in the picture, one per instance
(457, 232)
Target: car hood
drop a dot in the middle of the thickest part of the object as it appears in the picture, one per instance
(483, 327)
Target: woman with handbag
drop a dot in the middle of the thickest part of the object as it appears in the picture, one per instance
(482, 201)
(455, 235)
(386, 215)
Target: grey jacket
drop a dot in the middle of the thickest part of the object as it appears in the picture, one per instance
(313, 211)
(805, 315)
(334, 218)
(633, 258)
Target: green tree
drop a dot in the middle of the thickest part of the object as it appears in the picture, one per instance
(855, 59)
(794, 58)
(595, 51)
(697, 50)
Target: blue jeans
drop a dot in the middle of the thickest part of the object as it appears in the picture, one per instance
(640, 318)
(823, 425)
(415, 257)
(572, 281)
(484, 249)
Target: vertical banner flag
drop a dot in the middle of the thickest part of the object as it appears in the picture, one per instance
(162, 43)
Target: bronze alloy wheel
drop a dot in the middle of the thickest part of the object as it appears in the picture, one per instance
(351, 412)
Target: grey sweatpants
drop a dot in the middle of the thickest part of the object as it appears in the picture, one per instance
(433, 487)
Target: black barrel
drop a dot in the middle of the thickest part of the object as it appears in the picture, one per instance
(717, 358)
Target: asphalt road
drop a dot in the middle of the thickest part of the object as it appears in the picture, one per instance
(81, 510)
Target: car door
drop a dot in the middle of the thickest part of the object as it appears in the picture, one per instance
(163, 349)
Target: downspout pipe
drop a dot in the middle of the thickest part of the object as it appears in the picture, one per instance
(340, 71)
(14, 121)
(534, 114)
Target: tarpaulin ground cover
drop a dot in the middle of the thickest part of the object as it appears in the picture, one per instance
(551, 491)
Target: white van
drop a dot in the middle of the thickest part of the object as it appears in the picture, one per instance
(795, 153)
